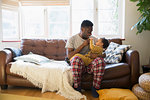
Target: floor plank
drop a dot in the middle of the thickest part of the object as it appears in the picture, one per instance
(35, 92)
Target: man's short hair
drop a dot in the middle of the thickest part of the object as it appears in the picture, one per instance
(86, 23)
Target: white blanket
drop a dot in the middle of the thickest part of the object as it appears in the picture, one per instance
(53, 76)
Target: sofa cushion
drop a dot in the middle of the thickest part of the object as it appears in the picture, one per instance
(112, 46)
(33, 58)
(51, 48)
(114, 52)
(112, 71)
(122, 49)
(116, 40)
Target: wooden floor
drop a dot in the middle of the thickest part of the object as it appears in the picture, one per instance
(34, 92)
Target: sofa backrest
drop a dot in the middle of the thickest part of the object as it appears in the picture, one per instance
(116, 40)
(50, 48)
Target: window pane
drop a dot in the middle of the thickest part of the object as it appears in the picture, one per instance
(59, 30)
(80, 15)
(108, 28)
(81, 11)
(108, 17)
(33, 21)
(10, 24)
(58, 21)
(76, 27)
(58, 14)
(107, 4)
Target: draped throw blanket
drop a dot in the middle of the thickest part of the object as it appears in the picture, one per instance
(52, 76)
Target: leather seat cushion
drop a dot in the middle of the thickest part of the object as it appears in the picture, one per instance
(112, 71)
(116, 70)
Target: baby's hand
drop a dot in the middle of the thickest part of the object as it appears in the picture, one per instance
(91, 38)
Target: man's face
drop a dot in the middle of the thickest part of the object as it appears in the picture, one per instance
(86, 32)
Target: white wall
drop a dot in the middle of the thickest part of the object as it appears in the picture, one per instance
(138, 42)
(9, 44)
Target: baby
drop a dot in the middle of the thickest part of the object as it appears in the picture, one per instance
(96, 49)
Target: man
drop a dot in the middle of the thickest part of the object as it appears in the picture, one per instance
(79, 43)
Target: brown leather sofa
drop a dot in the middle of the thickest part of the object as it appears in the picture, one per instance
(122, 75)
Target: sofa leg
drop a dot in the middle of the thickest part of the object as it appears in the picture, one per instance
(3, 87)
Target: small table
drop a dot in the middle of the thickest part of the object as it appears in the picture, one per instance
(146, 68)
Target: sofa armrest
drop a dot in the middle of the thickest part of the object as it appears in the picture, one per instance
(5, 58)
(132, 58)
(15, 51)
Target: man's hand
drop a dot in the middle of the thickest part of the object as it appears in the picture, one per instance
(86, 42)
(71, 52)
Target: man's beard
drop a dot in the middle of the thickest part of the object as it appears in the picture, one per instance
(85, 37)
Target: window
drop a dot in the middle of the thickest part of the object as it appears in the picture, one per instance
(10, 24)
(53, 21)
(32, 21)
(10, 17)
(57, 19)
(110, 18)
(81, 11)
(107, 16)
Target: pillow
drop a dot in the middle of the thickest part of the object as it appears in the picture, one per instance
(33, 58)
(115, 55)
(122, 49)
(113, 58)
(116, 94)
(112, 46)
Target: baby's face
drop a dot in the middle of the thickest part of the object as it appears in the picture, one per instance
(99, 43)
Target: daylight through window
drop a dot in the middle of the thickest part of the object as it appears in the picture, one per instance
(62, 19)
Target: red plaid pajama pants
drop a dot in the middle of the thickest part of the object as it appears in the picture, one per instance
(96, 67)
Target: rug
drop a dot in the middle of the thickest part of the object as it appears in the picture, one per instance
(18, 97)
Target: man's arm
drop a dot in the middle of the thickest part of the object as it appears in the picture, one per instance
(71, 52)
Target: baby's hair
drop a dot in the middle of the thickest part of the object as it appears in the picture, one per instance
(105, 43)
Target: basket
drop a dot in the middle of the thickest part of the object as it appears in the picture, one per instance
(140, 93)
(144, 81)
